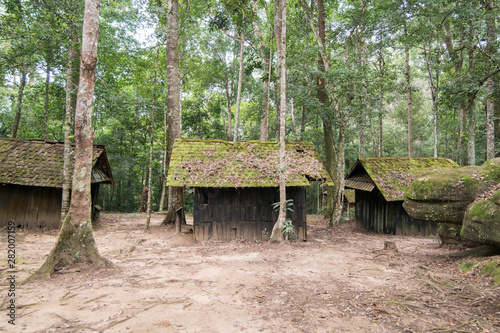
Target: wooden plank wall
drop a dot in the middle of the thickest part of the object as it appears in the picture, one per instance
(380, 216)
(228, 214)
(30, 207)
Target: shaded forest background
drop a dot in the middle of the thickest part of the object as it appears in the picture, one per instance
(403, 78)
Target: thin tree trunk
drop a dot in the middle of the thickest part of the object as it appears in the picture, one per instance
(240, 84)
(266, 67)
(410, 103)
(362, 143)
(76, 242)
(380, 135)
(303, 123)
(280, 19)
(490, 105)
(19, 105)
(175, 194)
(292, 111)
(151, 141)
(165, 153)
(67, 126)
(471, 135)
(46, 104)
(229, 101)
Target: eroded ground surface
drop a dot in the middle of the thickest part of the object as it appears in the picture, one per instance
(341, 280)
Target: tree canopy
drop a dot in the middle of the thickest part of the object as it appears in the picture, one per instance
(351, 66)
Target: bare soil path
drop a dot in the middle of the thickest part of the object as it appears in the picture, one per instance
(340, 280)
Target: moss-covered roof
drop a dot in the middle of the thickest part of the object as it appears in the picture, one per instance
(392, 176)
(40, 163)
(350, 195)
(217, 163)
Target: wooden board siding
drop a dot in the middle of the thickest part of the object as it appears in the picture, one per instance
(224, 214)
(383, 217)
(34, 207)
(30, 207)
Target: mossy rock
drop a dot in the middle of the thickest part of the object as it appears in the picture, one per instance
(461, 184)
(492, 269)
(444, 195)
(436, 211)
(481, 223)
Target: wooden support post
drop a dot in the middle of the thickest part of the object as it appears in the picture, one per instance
(178, 220)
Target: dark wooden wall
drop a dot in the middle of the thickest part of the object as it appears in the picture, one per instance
(388, 217)
(246, 213)
(34, 207)
(30, 207)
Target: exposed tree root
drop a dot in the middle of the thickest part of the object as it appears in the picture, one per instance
(75, 247)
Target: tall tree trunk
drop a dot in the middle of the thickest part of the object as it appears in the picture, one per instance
(175, 194)
(67, 125)
(471, 131)
(76, 242)
(280, 20)
(19, 105)
(364, 107)
(409, 102)
(165, 154)
(46, 103)
(433, 82)
(229, 102)
(303, 123)
(328, 137)
(491, 49)
(380, 134)
(240, 84)
(151, 142)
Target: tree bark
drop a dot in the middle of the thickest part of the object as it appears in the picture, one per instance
(151, 142)
(46, 103)
(471, 130)
(76, 242)
(165, 153)
(491, 50)
(280, 20)
(67, 125)
(19, 105)
(241, 40)
(266, 68)
(410, 102)
(229, 101)
(303, 123)
(175, 194)
(433, 83)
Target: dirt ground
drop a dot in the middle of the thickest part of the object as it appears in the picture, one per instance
(340, 280)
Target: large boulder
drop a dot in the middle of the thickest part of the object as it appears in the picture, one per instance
(481, 223)
(444, 195)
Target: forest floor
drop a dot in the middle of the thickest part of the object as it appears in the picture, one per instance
(340, 280)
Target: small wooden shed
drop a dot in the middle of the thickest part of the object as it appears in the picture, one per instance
(31, 180)
(380, 184)
(235, 185)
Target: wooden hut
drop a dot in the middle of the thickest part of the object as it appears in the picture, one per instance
(235, 185)
(380, 184)
(31, 181)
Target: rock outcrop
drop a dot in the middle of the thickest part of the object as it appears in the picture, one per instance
(481, 223)
(467, 197)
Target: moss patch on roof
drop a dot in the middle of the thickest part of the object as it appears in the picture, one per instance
(393, 176)
(40, 163)
(218, 163)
